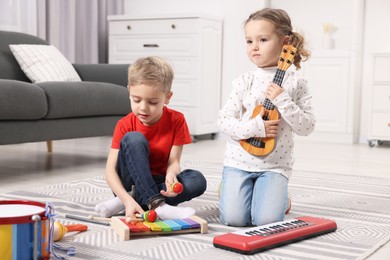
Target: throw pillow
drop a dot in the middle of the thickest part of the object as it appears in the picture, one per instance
(43, 63)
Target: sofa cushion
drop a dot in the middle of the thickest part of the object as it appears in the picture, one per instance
(10, 68)
(80, 99)
(21, 101)
(103, 72)
(43, 63)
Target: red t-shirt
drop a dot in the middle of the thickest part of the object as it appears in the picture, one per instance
(170, 130)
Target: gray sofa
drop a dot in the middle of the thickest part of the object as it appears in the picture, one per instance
(58, 110)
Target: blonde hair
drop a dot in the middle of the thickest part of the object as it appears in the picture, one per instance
(282, 25)
(153, 71)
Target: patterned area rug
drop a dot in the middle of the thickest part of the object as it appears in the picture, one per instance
(359, 205)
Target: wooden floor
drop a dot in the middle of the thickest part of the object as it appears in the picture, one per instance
(29, 165)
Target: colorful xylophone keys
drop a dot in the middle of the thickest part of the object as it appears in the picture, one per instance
(193, 224)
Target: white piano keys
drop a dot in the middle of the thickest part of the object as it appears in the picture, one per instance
(273, 228)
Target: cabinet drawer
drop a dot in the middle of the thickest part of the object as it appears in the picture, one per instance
(381, 98)
(155, 26)
(380, 125)
(149, 45)
(191, 44)
(184, 68)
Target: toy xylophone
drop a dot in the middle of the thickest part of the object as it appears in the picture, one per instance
(126, 231)
(256, 239)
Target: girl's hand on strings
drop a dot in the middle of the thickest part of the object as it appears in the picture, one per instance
(271, 128)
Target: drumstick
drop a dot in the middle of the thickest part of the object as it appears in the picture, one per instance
(128, 219)
(86, 219)
(99, 218)
(137, 218)
(149, 216)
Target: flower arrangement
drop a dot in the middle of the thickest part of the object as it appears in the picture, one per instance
(328, 41)
(329, 28)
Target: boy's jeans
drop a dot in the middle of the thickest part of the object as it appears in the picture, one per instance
(134, 169)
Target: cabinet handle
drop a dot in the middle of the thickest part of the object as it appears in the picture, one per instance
(129, 27)
(173, 26)
(151, 46)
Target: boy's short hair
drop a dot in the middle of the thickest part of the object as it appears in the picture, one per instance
(153, 71)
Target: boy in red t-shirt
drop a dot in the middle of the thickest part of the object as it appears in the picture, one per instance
(146, 149)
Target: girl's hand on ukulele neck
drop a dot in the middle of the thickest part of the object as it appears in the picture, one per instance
(273, 91)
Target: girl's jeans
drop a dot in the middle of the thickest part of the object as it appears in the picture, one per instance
(252, 198)
(133, 169)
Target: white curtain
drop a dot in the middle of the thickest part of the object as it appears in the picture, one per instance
(78, 28)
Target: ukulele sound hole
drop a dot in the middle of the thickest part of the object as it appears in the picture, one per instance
(256, 142)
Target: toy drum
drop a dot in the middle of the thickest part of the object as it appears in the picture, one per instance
(24, 230)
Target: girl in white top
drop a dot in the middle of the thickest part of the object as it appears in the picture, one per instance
(254, 188)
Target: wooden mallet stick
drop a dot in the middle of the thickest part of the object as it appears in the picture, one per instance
(109, 219)
(99, 218)
(149, 216)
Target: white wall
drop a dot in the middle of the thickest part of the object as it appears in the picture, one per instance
(348, 17)
(307, 16)
(233, 13)
(353, 18)
(362, 32)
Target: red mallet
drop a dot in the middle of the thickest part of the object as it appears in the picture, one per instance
(177, 187)
(149, 215)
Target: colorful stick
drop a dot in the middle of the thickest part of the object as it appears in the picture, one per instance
(126, 231)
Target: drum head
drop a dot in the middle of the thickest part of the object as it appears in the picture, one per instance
(20, 211)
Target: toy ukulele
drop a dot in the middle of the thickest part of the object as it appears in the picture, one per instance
(261, 146)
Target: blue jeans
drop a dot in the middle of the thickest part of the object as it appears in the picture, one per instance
(133, 169)
(252, 198)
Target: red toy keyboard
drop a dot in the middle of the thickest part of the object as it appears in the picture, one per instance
(257, 239)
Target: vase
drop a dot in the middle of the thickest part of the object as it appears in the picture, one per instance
(328, 42)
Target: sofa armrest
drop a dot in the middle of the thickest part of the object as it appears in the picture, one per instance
(20, 100)
(111, 73)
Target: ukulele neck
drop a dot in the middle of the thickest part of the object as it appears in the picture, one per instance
(278, 79)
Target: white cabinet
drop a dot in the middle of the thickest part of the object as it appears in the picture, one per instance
(193, 45)
(330, 75)
(379, 119)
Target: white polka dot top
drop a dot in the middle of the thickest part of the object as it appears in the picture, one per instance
(296, 115)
